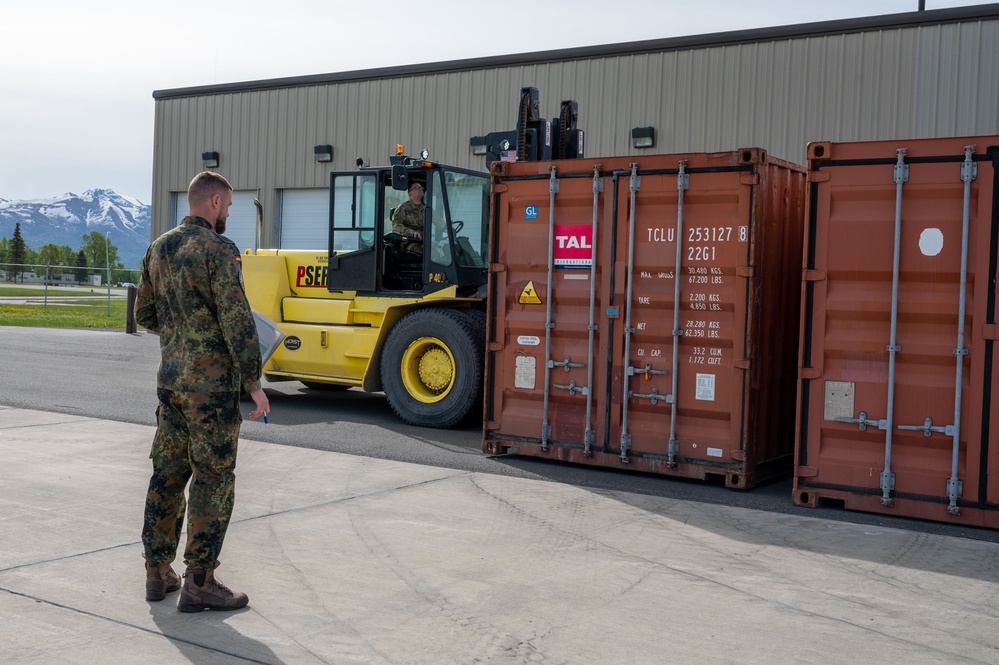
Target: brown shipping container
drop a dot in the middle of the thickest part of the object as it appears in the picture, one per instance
(898, 327)
(611, 343)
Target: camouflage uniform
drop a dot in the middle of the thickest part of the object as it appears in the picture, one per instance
(233, 247)
(190, 294)
(408, 217)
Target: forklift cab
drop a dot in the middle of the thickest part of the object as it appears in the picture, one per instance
(366, 256)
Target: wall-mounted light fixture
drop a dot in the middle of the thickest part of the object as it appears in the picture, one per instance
(643, 137)
(324, 153)
(478, 145)
(211, 159)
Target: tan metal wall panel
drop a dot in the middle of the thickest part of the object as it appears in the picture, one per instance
(914, 82)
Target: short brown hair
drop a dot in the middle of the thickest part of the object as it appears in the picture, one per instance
(204, 186)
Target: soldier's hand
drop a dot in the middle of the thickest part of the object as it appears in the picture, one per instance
(263, 404)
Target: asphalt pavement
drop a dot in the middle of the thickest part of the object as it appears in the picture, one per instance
(349, 559)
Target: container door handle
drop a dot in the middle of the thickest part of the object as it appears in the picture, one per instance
(863, 422)
(927, 428)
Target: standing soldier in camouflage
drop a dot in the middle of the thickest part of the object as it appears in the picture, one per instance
(191, 294)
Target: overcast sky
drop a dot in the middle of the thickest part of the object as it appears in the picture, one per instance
(77, 77)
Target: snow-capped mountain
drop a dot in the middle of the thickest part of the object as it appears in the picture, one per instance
(64, 220)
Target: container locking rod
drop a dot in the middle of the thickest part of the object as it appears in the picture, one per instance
(682, 184)
(955, 487)
(900, 176)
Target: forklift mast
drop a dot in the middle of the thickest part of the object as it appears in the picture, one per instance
(535, 138)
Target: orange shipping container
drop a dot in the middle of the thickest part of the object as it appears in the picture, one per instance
(643, 313)
(898, 328)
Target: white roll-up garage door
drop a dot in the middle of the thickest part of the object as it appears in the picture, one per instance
(241, 227)
(305, 219)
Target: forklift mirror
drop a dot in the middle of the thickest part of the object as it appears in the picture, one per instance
(400, 177)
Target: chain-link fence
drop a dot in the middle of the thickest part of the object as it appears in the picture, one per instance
(65, 296)
(66, 276)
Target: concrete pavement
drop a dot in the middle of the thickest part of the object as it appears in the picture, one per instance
(356, 560)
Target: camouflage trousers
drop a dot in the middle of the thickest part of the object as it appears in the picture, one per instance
(196, 439)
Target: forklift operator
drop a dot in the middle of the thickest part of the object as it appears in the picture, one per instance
(408, 217)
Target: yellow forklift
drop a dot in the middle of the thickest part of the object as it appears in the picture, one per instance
(381, 311)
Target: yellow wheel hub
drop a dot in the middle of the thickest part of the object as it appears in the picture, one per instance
(428, 370)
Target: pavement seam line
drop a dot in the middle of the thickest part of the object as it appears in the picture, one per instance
(125, 624)
(356, 496)
(248, 519)
(82, 419)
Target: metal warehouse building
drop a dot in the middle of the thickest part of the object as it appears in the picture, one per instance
(913, 75)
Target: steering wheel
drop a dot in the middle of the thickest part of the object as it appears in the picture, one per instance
(457, 225)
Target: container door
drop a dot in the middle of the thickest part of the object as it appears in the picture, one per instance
(677, 379)
(898, 280)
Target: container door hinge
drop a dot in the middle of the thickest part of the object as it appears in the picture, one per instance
(742, 363)
(746, 271)
(818, 176)
(813, 275)
(808, 373)
(749, 179)
(990, 331)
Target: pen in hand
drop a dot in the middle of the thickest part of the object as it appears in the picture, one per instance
(265, 418)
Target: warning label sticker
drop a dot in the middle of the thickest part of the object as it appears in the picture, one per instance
(529, 296)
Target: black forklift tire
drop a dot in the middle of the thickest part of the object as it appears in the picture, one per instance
(432, 367)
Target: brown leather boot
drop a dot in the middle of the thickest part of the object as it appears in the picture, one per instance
(160, 580)
(202, 591)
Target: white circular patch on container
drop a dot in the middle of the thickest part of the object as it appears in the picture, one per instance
(931, 242)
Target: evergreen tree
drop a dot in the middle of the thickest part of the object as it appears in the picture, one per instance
(17, 254)
(81, 267)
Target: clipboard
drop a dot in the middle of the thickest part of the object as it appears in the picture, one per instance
(268, 335)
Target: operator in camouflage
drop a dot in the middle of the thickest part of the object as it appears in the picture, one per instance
(191, 295)
(407, 220)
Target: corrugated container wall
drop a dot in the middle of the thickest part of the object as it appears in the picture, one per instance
(927, 80)
(898, 329)
(642, 313)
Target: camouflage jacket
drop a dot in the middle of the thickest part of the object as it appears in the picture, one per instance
(408, 217)
(190, 293)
